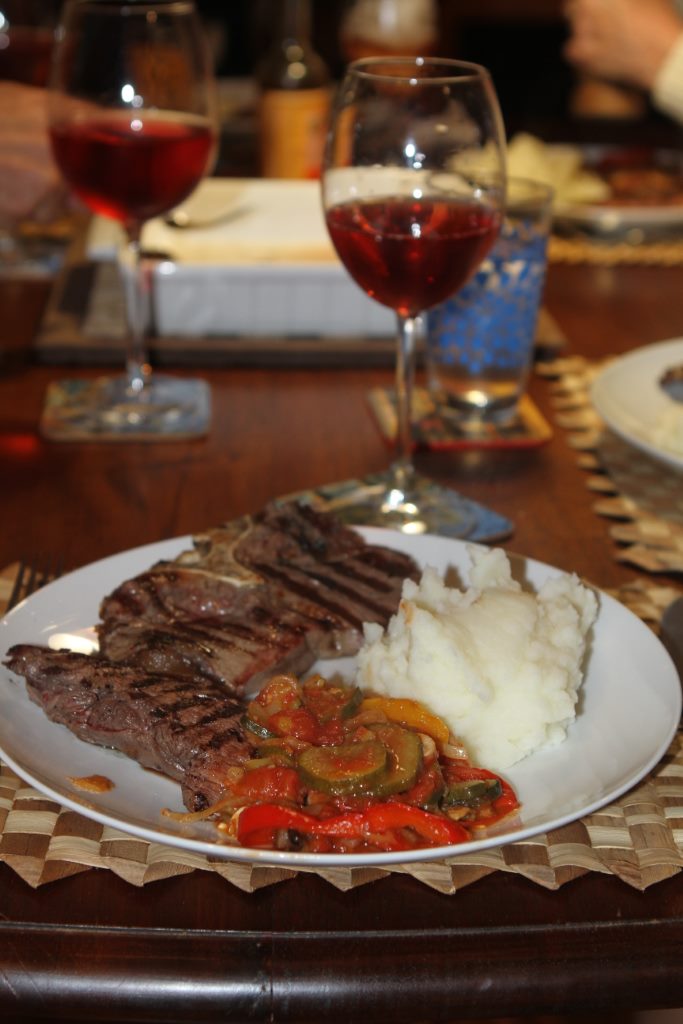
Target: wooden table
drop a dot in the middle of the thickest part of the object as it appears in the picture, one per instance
(195, 948)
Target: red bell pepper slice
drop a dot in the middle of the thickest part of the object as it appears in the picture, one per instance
(433, 829)
(261, 817)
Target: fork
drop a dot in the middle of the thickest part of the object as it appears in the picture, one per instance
(30, 578)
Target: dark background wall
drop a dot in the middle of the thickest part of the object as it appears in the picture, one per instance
(520, 41)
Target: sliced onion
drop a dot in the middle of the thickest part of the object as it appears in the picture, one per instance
(188, 816)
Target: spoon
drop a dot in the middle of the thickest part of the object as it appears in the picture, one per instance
(183, 219)
(671, 382)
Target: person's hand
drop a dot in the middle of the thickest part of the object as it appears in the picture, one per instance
(30, 184)
(622, 40)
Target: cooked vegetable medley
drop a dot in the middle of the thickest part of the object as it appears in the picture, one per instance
(338, 772)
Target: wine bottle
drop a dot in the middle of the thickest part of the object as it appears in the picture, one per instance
(295, 96)
(389, 28)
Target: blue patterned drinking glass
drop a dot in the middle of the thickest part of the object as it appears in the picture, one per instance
(479, 344)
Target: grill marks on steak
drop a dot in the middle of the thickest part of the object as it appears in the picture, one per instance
(326, 596)
(291, 533)
(191, 733)
(320, 568)
(227, 653)
(264, 594)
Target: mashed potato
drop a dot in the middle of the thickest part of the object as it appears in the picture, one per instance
(561, 167)
(502, 666)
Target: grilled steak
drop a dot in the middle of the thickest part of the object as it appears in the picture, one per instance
(191, 733)
(308, 579)
(265, 594)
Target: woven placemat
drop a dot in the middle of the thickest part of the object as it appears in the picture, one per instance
(603, 253)
(638, 839)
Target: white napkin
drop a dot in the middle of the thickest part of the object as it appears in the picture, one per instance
(266, 222)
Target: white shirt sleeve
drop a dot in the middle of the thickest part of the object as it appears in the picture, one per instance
(667, 91)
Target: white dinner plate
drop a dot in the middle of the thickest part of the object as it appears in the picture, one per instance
(629, 709)
(635, 223)
(622, 222)
(627, 395)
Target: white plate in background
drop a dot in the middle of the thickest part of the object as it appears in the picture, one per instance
(628, 397)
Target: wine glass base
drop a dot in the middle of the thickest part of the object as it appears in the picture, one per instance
(35, 258)
(105, 409)
(427, 508)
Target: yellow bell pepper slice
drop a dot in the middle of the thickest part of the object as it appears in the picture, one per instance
(410, 713)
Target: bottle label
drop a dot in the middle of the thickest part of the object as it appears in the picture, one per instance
(293, 129)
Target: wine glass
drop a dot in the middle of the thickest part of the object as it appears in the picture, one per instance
(413, 191)
(132, 125)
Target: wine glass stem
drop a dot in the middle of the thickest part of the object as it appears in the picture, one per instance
(409, 328)
(138, 369)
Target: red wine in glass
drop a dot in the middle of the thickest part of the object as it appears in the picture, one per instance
(411, 254)
(132, 168)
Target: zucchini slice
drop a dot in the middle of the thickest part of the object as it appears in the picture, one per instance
(471, 792)
(405, 758)
(351, 769)
(257, 728)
